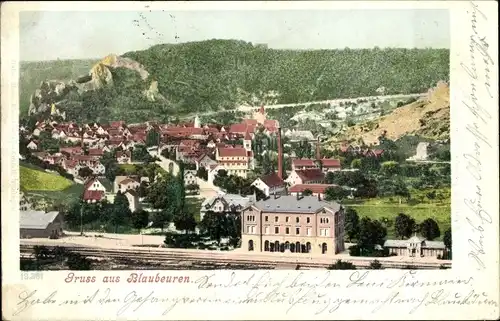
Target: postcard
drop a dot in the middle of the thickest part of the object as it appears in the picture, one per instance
(289, 160)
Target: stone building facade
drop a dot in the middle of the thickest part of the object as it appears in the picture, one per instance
(295, 224)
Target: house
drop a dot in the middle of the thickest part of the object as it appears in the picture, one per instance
(33, 145)
(124, 157)
(270, 184)
(416, 247)
(71, 166)
(97, 168)
(96, 152)
(38, 224)
(317, 190)
(24, 203)
(204, 161)
(133, 199)
(190, 177)
(297, 224)
(124, 183)
(96, 189)
(225, 203)
(238, 159)
(306, 176)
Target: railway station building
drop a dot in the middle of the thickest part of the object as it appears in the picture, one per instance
(293, 223)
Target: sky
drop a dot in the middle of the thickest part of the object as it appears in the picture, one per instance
(51, 35)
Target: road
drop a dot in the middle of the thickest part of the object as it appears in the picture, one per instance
(246, 108)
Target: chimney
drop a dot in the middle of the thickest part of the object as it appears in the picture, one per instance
(319, 196)
(318, 150)
(280, 155)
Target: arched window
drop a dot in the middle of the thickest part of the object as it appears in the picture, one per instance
(324, 248)
(250, 245)
(308, 247)
(287, 245)
(266, 246)
(277, 246)
(292, 247)
(298, 247)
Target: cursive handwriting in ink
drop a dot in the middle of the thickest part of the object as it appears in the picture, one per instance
(29, 299)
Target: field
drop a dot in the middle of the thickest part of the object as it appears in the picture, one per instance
(38, 180)
(385, 207)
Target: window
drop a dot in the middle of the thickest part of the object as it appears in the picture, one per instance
(266, 229)
(276, 218)
(297, 219)
(309, 231)
(308, 220)
(327, 232)
(287, 230)
(297, 230)
(287, 219)
(266, 218)
(276, 230)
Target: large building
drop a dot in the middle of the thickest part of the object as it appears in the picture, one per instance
(38, 224)
(225, 203)
(299, 224)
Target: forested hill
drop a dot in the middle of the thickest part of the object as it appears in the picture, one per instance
(220, 74)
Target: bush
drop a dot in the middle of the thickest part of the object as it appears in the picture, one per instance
(354, 250)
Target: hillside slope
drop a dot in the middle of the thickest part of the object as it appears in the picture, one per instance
(221, 74)
(38, 180)
(428, 117)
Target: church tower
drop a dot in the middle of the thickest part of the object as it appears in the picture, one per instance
(247, 142)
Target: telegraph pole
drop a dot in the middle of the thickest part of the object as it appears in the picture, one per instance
(81, 220)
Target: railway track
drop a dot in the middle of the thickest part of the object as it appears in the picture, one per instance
(218, 258)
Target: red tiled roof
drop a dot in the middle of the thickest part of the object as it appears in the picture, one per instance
(116, 124)
(250, 121)
(272, 180)
(93, 195)
(303, 162)
(128, 180)
(330, 162)
(96, 152)
(71, 150)
(310, 174)
(131, 191)
(83, 158)
(70, 163)
(247, 136)
(315, 188)
(238, 128)
(232, 152)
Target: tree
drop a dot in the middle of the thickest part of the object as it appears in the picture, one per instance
(400, 190)
(120, 210)
(215, 225)
(447, 238)
(85, 172)
(193, 188)
(202, 173)
(142, 190)
(185, 221)
(429, 229)
(341, 265)
(375, 265)
(356, 163)
(351, 224)
(160, 219)
(140, 219)
(307, 192)
(390, 168)
(334, 193)
(152, 138)
(371, 233)
(404, 225)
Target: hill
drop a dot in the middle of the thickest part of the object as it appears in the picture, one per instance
(38, 180)
(222, 74)
(32, 74)
(428, 117)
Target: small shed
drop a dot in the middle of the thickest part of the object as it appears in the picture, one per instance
(38, 224)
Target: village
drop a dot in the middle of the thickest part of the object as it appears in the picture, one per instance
(235, 170)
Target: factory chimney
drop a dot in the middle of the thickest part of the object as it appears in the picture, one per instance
(280, 155)
(318, 150)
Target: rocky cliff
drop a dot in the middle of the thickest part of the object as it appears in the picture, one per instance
(99, 76)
